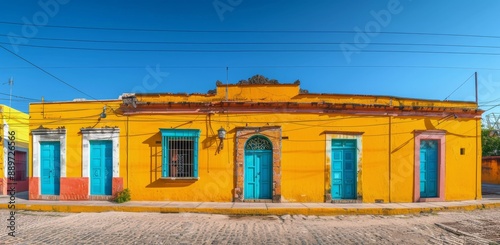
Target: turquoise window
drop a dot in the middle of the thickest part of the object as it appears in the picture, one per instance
(180, 153)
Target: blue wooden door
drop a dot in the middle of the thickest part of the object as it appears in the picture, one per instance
(50, 168)
(258, 174)
(343, 169)
(428, 168)
(101, 165)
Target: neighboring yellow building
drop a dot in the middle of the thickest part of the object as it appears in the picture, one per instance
(248, 142)
(14, 142)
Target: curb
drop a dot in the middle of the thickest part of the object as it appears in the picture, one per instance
(248, 211)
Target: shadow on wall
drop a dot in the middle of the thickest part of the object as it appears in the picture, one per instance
(155, 165)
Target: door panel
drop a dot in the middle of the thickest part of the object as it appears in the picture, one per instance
(101, 164)
(258, 174)
(50, 168)
(250, 176)
(349, 174)
(344, 169)
(337, 174)
(265, 176)
(428, 168)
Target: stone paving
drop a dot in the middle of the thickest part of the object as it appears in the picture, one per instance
(190, 228)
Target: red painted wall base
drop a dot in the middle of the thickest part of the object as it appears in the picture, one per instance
(74, 189)
(117, 185)
(34, 183)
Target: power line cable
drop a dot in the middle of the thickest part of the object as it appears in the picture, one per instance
(245, 31)
(255, 43)
(459, 87)
(493, 107)
(48, 73)
(250, 50)
(21, 97)
(257, 66)
(19, 100)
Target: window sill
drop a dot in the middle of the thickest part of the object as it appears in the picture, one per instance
(180, 178)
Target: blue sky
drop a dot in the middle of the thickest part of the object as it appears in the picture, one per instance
(302, 40)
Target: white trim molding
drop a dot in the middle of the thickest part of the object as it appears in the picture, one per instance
(54, 135)
(89, 134)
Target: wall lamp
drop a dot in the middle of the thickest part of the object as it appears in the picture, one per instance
(222, 135)
(103, 114)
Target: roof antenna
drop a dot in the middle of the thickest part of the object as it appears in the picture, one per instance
(11, 83)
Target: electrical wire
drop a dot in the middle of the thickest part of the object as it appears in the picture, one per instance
(493, 107)
(246, 31)
(21, 97)
(250, 50)
(258, 66)
(459, 87)
(256, 43)
(48, 73)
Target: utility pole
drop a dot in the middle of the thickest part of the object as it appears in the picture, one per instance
(227, 81)
(475, 75)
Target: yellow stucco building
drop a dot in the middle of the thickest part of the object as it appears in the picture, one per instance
(14, 154)
(256, 142)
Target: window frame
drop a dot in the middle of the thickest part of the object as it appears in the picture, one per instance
(181, 133)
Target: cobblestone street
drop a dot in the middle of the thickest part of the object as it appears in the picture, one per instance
(186, 228)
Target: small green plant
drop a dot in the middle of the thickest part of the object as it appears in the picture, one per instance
(123, 196)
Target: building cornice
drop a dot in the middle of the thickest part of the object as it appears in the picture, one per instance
(297, 107)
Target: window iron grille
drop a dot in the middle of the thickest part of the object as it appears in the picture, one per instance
(258, 143)
(180, 153)
(181, 156)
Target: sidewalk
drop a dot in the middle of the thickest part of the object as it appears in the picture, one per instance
(491, 199)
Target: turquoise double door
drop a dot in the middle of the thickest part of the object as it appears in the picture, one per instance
(429, 168)
(101, 167)
(258, 174)
(343, 169)
(101, 161)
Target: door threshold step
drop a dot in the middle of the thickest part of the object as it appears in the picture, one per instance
(347, 201)
(259, 200)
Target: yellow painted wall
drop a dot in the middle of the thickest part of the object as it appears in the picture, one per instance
(383, 176)
(461, 183)
(17, 122)
(73, 117)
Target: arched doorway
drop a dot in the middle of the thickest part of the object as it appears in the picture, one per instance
(258, 176)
